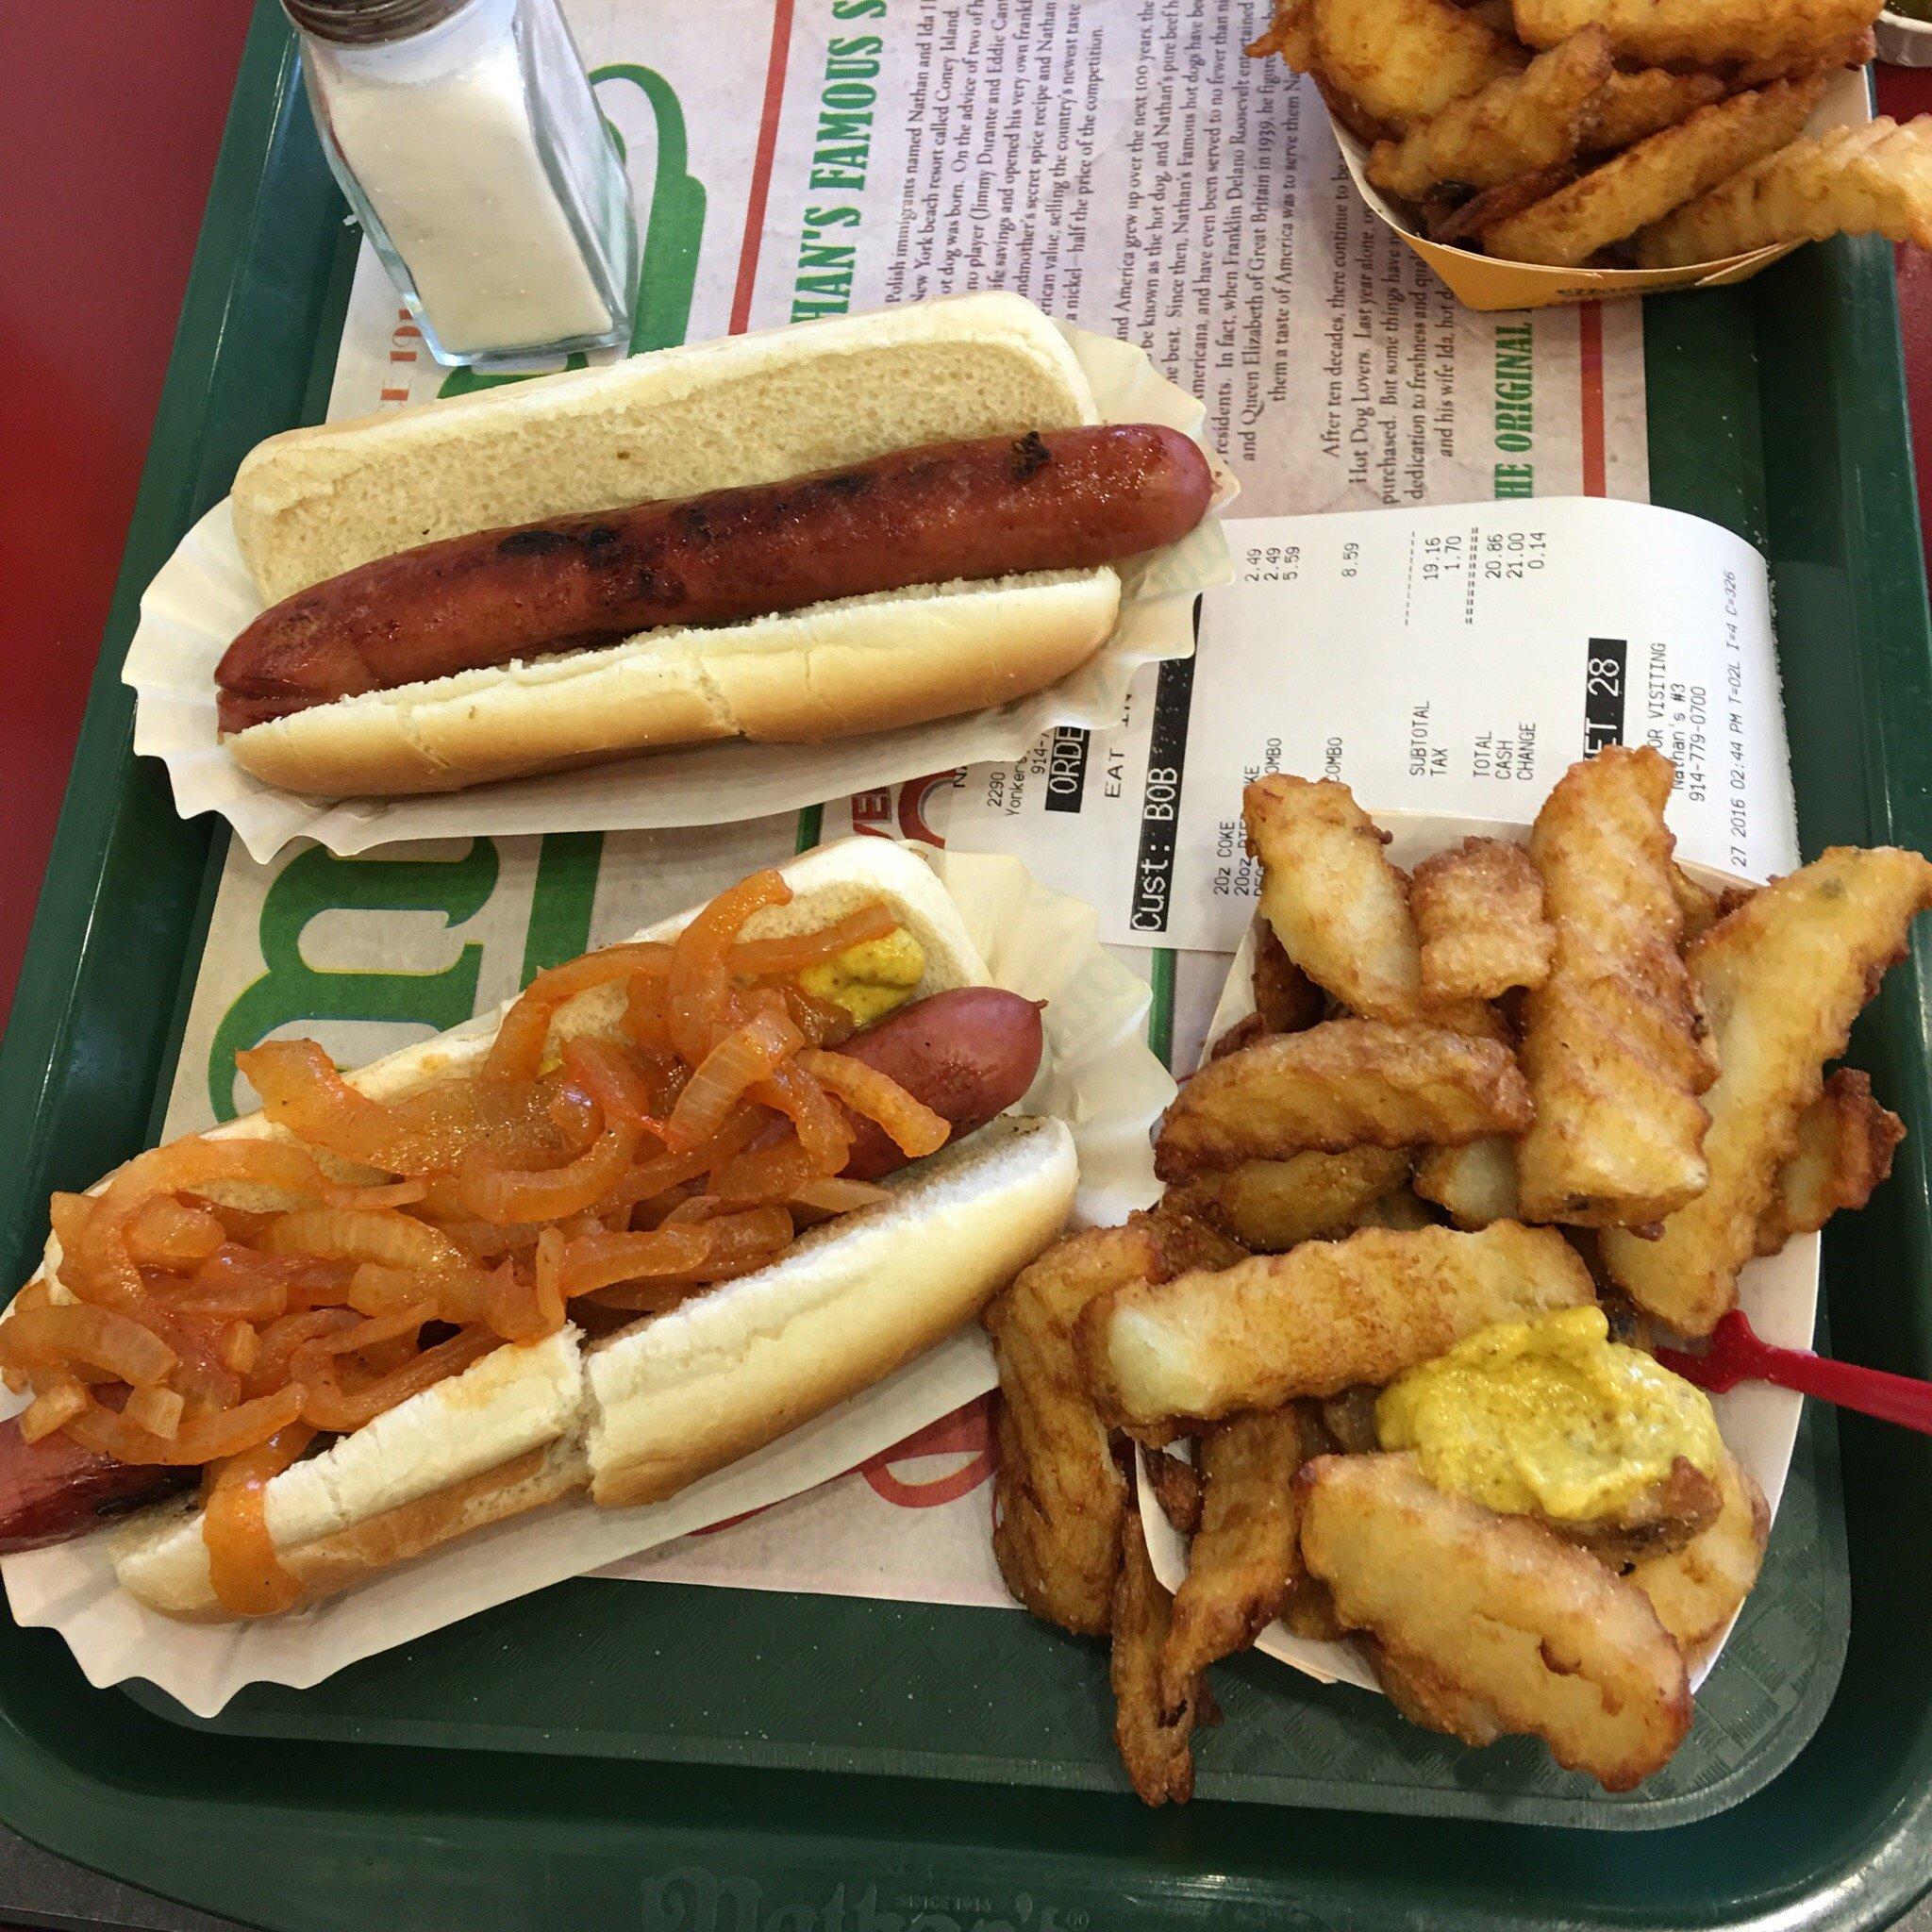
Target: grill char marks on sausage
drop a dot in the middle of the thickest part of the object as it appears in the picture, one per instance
(53, 1490)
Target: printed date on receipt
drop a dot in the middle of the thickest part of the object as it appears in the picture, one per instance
(1449, 660)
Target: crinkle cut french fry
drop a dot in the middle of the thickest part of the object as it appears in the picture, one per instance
(1058, 1496)
(1663, 1515)
(1478, 911)
(1696, 1589)
(1177, 1486)
(1858, 48)
(1432, 1698)
(1644, 183)
(1317, 1320)
(1474, 1184)
(1401, 1210)
(1401, 61)
(1289, 34)
(1698, 33)
(1495, 1618)
(1470, 219)
(1270, 1206)
(1871, 180)
(1782, 977)
(1704, 906)
(1154, 1744)
(1330, 896)
(1343, 1084)
(1630, 107)
(1845, 1145)
(1187, 1241)
(1286, 999)
(1245, 1556)
(1339, 909)
(1244, 1032)
(1517, 124)
(1292, 35)
(1612, 1042)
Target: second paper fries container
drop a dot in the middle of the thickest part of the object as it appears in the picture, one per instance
(1481, 281)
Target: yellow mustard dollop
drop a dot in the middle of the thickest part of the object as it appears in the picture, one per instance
(1550, 1415)
(871, 978)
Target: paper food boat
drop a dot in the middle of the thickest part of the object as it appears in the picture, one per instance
(1779, 1294)
(1481, 281)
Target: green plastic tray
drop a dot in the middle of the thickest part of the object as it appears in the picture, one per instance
(1776, 408)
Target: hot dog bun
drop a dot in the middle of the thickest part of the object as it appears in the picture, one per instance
(665, 1401)
(858, 664)
(657, 1405)
(736, 1369)
(756, 408)
(502, 1438)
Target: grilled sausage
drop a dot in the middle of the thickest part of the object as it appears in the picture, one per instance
(969, 1055)
(1064, 499)
(53, 1490)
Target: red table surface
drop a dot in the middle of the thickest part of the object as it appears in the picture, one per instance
(109, 121)
(1904, 92)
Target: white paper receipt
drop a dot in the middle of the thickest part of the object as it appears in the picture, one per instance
(1447, 660)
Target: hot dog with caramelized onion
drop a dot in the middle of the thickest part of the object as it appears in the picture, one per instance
(833, 528)
(692, 1190)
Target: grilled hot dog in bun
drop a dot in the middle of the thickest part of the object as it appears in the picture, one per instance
(308, 1310)
(835, 527)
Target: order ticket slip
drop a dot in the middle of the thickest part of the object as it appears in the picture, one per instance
(1451, 660)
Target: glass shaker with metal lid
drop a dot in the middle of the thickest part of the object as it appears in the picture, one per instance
(466, 134)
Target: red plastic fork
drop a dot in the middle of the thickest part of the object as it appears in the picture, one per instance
(1737, 1356)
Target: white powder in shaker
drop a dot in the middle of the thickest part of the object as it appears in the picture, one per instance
(438, 132)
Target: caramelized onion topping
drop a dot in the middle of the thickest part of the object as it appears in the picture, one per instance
(244, 1566)
(912, 1126)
